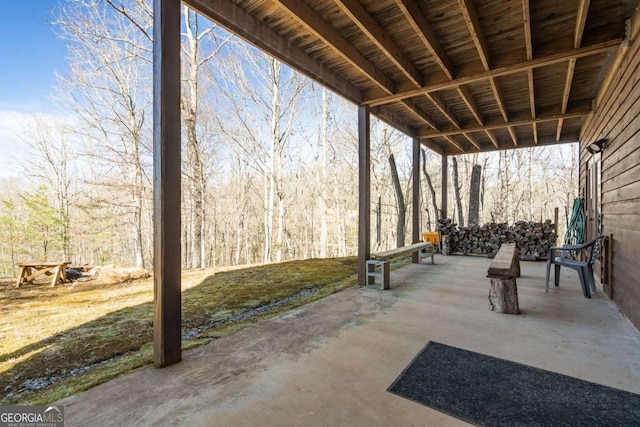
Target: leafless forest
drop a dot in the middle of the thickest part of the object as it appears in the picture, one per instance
(269, 158)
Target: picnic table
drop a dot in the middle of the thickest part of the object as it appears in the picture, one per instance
(31, 270)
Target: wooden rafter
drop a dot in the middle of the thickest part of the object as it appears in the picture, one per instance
(466, 96)
(249, 28)
(513, 135)
(506, 70)
(421, 27)
(453, 142)
(565, 95)
(497, 94)
(472, 140)
(444, 109)
(420, 113)
(526, 19)
(368, 25)
(419, 23)
(532, 104)
(477, 35)
(314, 23)
(581, 19)
(492, 137)
(497, 124)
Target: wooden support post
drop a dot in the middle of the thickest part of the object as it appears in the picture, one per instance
(445, 185)
(166, 182)
(415, 229)
(364, 185)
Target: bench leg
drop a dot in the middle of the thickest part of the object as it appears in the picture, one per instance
(427, 252)
(380, 269)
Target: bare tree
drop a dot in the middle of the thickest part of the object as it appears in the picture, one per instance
(432, 190)
(456, 188)
(474, 195)
(261, 97)
(50, 163)
(198, 149)
(397, 187)
(107, 87)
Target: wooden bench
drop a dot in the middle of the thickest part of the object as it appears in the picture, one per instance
(503, 270)
(378, 265)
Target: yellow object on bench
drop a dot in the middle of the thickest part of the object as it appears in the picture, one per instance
(378, 265)
(431, 237)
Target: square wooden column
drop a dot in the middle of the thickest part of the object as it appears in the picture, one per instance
(166, 182)
(364, 186)
(445, 186)
(415, 217)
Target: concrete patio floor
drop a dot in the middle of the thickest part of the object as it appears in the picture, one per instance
(329, 363)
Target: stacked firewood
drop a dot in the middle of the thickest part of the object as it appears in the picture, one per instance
(532, 238)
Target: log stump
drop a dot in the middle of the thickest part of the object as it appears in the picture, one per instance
(503, 270)
(503, 296)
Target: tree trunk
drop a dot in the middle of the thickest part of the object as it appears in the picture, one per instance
(432, 191)
(456, 187)
(397, 187)
(474, 195)
(323, 166)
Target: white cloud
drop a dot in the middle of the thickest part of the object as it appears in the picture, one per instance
(13, 150)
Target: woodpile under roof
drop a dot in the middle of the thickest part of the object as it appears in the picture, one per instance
(464, 76)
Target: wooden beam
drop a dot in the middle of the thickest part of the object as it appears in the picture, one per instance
(167, 305)
(477, 35)
(501, 106)
(364, 187)
(497, 94)
(512, 134)
(526, 18)
(470, 103)
(532, 103)
(241, 23)
(565, 94)
(314, 23)
(421, 27)
(495, 124)
(472, 140)
(453, 142)
(420, 113)
(493, 139)
(443, 108)
(368, 25)
(444, 197)
(506, 70)
(532, 94)
(581, 20)
(395, 120)
(415, 198)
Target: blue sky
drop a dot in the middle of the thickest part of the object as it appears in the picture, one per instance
(31, 54)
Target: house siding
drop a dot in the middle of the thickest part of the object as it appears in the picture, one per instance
(617, 118)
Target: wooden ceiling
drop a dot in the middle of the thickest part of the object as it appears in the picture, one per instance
(464, 76)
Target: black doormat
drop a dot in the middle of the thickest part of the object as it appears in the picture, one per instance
(488, 391)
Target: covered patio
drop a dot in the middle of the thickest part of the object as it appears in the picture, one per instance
(331, 362)
(459, 77)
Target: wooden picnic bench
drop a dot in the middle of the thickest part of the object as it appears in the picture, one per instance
(503, 270)
(30, 270)
(378, 265)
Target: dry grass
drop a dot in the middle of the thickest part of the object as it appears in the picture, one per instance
(59, 341)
